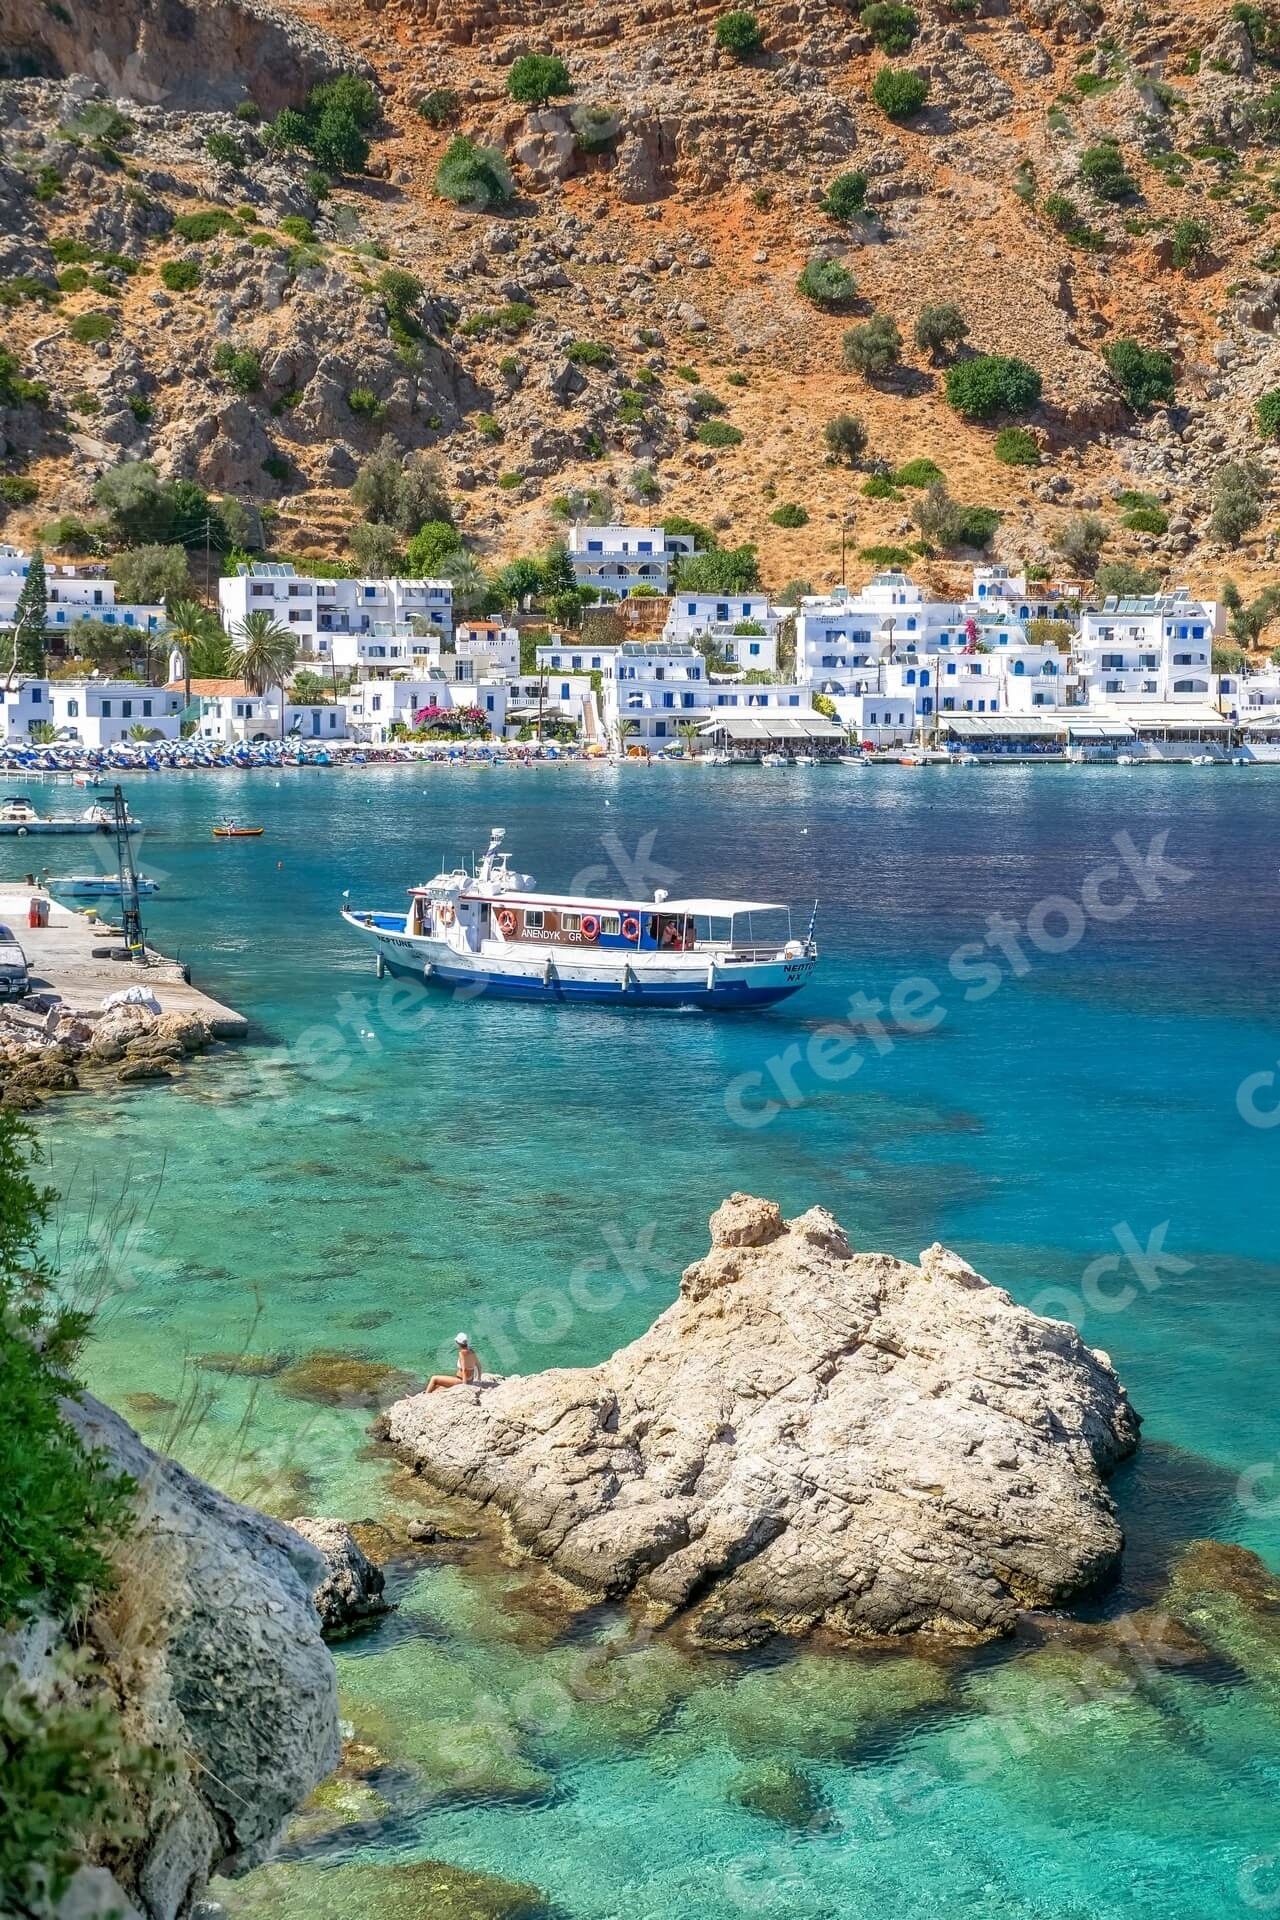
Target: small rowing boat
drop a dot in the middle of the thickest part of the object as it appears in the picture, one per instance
(228, 830)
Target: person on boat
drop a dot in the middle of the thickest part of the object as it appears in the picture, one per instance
(469, 1368)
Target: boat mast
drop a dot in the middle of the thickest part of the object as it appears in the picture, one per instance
(127, 873)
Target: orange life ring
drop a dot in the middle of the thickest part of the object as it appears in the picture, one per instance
(506, 922)
(446, 915)
(631, 928)
(590, 927)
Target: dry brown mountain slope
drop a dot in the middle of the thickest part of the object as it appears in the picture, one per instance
(677, 247)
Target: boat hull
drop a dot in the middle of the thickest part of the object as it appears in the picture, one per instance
(33, 827)
(561, 976)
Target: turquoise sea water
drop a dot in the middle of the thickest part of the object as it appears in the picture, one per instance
(540, 1176)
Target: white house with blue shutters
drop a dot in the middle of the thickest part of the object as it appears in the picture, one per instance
(655, 688)
(74, 595)
(720, 618)
(1152, 648)
(617, 560)
(322, 615)
(91, 713)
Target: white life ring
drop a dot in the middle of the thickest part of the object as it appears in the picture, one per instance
(506, 922)
(631, 928)
(590, 927)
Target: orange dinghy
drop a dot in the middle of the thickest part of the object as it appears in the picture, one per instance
(230, 831)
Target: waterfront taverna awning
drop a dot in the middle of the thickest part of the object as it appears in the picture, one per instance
(748, 727)
(1160, 716)
(1112, 730)
(1023, 726)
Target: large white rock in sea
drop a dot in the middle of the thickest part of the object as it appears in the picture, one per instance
(807, 1437)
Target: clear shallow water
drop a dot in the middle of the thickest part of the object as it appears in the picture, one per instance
(462, 1172)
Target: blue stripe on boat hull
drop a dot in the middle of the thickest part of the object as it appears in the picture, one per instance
(496, 986)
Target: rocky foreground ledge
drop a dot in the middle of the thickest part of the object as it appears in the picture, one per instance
(808, 1437)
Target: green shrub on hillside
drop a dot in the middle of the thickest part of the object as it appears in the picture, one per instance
(535, 78)
(846, 197)
(899, 92)
(1143, 374)
(873, 349)
(826, 283)
(1015, 447)
(990, 384)
(892, 26)
(739, 33)
(845, 437)
(920, 472)
(473, 176)
(180, 276)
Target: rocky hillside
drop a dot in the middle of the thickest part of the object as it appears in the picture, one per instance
(662, 215)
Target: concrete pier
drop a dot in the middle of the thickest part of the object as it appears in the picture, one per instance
(72, 957)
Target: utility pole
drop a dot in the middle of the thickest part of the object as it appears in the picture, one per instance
(208, 532)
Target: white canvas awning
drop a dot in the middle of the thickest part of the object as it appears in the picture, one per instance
(1003, 726)
(747, 727)
(1147, 716)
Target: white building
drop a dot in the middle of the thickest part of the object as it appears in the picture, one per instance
(840, 635)
(91, 713)
(316, 610)
(75, 594)
(1157, 648)
(619, 559)
(915, 686)
(742, 626)
(490, 647)
(997, 591)
(226, 712)
(656, 687)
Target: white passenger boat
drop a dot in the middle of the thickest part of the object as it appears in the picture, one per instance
(490, 931)
(19, 816)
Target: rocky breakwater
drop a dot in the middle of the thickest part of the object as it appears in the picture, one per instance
(46, 1048)
(808, 1437)
(210, 1645)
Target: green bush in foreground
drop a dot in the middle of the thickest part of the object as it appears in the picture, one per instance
(1146, 520)
(89, 328)
(899, 92)
(790, 514)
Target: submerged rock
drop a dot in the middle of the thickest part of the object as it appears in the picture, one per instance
(779, 1792)
(808, 1436)
(336, 1379)
(360, 1892)
(350, 1595)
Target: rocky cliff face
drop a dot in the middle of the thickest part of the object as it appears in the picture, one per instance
(809, 1436)
(213, 1646)
(667, 226)
(189, 53)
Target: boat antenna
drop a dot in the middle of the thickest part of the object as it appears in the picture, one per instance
(134, 938)
(813, 919)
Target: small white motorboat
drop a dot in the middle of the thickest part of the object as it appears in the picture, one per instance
(1203, 760)
(851, 760)
(803, 760)
(96, 885)
(773, 759)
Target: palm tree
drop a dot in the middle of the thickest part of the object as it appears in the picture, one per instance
(626, 727)
(265, 653)
(468, 581)
(690, 731)
(200, 638)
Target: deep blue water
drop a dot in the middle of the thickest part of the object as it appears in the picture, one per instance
(414, 1170)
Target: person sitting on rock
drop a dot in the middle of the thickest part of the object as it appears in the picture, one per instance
(469, 1368)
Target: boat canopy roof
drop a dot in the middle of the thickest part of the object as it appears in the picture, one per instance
(594, 902)
(721, 909)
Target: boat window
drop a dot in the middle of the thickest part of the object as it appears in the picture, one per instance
(610, 923)
(533, 919)
(571, 923)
